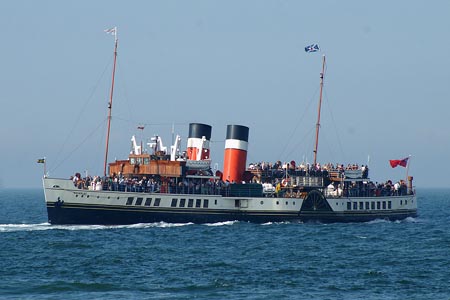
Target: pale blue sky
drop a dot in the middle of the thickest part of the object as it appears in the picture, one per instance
(226, 62)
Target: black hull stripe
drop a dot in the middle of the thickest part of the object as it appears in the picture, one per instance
(79, 214)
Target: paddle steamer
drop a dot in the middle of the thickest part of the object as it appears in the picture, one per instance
(170, 185)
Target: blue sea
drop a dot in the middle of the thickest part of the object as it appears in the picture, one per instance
(407, 259)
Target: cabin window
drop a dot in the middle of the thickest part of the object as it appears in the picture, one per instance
(372, 205)
(148, 202)
(132, 161)
(182, 202)
(157, 202)
(384, 204)
(389, 204)
(378, 205)
(361, 205)
(139, 201)
(198, 202)
(205, 203)
(191, 203)
(146, 161)
(215, 202)
(349, 206)
(139, 160)
(236, 203)
(406, 202)
(129, 201)
(355, 205)
(174, 202)
(367, 205)
(401, 202)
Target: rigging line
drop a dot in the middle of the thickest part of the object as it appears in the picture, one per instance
(79, 145)
(298, 123)
(147, 124)
(308, 133)
(124, 85)
(93, 161)
(163, 124)
(330, 149)
(83, 109)
(335, 127)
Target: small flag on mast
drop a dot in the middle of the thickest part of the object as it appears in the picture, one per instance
(41, 160)
(111, 31)
(312, 48)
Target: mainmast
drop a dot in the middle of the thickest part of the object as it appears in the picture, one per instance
(113, 31)
(318, 114)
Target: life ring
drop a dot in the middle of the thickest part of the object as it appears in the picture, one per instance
(285, 182)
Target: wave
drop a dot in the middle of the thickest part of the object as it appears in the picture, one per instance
(221, 223)
(48, 226)
(406, 220)
(24, 227)
(281, 223)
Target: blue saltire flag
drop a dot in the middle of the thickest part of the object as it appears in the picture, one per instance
(312, 48)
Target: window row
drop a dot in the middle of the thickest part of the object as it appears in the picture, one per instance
(369, 205)
(175, 202)
(148, 201)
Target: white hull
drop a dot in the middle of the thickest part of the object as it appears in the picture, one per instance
(67, 204)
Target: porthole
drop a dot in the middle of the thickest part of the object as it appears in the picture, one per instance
(262, 202)
(278, 202)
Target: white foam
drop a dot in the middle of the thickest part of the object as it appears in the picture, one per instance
(221, 223)
(48, 226)
(24, 227)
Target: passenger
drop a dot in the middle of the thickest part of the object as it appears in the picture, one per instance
(98, 184)
(277, 188)
(76, 179)
(397, 188)
(331, 189)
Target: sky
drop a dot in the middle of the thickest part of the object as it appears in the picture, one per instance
(386, 91)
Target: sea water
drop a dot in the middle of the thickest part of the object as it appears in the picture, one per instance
(407, 259)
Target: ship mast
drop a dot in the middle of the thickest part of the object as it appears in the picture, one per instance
(318, 113)
(113, 31)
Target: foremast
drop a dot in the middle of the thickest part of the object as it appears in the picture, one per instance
(319, 109)
(113, 31)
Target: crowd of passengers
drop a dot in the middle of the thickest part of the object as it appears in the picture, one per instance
(152, 184)
(368, 189)
(306, 169)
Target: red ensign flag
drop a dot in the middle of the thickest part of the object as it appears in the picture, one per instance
(399, 162)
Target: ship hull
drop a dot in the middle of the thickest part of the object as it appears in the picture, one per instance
(69, 205)
(101, 216)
